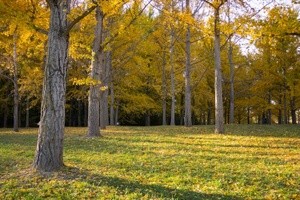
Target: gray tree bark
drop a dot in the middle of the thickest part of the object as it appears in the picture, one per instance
(117, 114)
(164, 90)
(187, 77)
(219, 112)
(231, 66)
(49, 151)
(105, 71)
(94, 94)
(173, 97)
(230, 58)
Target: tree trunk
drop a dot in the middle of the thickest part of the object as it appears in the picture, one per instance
(49, 151)
(173, 97)
(209, 113)
(117, 114)
(293, 109)
(279, 116)
(16, 88)
(164, 90)
(230, 59)
(187, 96)
(147, 119)
(219, 113)
(104, 94)
(94, 95)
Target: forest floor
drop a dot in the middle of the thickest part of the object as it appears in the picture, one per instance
(248, 162)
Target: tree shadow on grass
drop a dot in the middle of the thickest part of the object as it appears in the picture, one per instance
(124, 186)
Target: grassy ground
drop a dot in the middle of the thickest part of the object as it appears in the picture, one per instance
(249, 162)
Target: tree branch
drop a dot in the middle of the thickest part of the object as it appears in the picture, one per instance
(76, 20)
(234, 31)
(38, 29)
(212, 5)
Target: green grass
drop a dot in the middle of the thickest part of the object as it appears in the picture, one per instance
(249, 162)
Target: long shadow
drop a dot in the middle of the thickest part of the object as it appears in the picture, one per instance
(126, 186)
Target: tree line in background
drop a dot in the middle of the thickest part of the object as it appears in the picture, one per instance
(156, 62)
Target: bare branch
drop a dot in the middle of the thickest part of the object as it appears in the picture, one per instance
(38, 29)
(197, 8)
(231, 34)
(209, 3)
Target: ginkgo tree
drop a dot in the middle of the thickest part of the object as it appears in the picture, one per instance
(49, 152)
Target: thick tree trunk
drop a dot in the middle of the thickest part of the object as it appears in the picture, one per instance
(164, 90)
(187, 77)
(16, 88)
(105, 71)
(219, 113)
(94, 95)
(49, 151)
(173, 97)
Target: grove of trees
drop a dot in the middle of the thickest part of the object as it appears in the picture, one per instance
(145, 62)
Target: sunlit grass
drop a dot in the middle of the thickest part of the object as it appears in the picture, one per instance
(249, 162)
